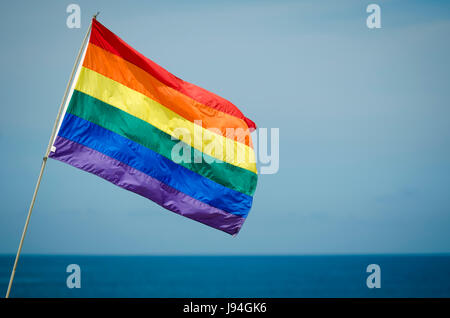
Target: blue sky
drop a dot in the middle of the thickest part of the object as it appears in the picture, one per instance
(363, 115)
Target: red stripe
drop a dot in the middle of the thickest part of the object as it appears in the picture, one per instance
(107, 40)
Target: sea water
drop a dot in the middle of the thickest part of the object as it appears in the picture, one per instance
(229, 276)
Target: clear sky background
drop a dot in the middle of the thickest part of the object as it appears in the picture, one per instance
(364, 119)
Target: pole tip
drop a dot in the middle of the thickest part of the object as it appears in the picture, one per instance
(95, 15)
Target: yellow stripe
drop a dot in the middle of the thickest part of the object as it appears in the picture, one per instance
(143, 107)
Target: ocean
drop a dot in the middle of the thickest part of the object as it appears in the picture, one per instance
(229, 276)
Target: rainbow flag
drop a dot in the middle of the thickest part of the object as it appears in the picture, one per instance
(131, 122)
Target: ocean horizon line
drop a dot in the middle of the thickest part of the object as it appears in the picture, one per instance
(230, 255)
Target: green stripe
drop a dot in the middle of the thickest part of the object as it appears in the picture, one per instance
(139, 131)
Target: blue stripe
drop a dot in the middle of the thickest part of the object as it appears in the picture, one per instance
(153, 164)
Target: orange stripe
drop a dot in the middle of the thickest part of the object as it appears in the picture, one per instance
(128, 74)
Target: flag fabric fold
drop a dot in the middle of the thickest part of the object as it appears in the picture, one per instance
(131, 122)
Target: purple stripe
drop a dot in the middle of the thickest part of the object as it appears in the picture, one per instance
(134, 180)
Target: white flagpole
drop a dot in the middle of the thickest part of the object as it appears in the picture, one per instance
(44, 159)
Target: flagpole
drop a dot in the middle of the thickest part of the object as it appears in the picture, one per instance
(44, 159)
